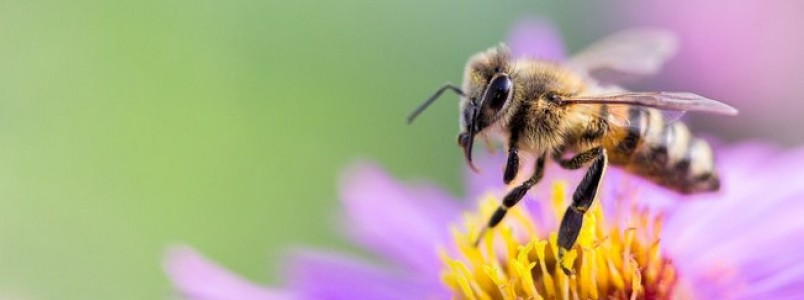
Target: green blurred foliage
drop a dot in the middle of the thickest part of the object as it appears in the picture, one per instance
(128, 126)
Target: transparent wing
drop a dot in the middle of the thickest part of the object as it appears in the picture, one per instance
(617, 115)
(626, 55)
(666, 101)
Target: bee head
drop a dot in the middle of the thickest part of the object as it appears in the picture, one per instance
(494, 90)
(488, 89)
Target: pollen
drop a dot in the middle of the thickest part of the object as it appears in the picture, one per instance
(612, 259)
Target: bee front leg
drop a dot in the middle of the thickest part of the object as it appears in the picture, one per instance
(582, 199)
(512, 166)
(514, 196)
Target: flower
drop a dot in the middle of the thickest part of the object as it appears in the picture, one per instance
(743, 242)
(638, 240)
(617, 262)
(195, 277)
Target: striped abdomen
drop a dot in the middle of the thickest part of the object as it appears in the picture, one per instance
(666, 154)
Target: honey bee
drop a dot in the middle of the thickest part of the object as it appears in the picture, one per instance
(551, 110)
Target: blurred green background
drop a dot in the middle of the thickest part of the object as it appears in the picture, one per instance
(129, 126)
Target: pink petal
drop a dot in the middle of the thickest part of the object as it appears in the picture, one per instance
(324, 276)
(753, 185)
(490, 176)
(195, 277)
(752, 230)
(404, 223)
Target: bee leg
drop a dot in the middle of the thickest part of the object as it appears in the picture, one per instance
(512, 166)
(513, 197)
(579, 160)
(582, 199)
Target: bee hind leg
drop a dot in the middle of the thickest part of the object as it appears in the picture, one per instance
(579, 160)
(513, 197)
(582, 199)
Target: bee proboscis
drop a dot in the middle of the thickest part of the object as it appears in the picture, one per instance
(550, 110)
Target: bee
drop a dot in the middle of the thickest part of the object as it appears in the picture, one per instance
(573, 114)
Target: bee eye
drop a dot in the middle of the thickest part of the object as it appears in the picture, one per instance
(497, 92)
(553, 97)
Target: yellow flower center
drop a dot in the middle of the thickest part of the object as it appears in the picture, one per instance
(517, 260)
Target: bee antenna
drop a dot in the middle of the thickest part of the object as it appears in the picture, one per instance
(433, 98)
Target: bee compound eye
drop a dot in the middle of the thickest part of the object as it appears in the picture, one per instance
(463, 139)
(497, 92)
(553, 97)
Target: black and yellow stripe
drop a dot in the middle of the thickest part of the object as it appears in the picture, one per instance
(666, 154)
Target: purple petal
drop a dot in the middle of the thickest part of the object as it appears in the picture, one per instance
(534, 37)
(195, 277)
(405, 224)
(329, 277)
(488, 178)
(751, 179)
(786, 284)
(754, 231)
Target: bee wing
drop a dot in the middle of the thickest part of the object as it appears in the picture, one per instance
(617, 115)
(666, 101)
(626, 55)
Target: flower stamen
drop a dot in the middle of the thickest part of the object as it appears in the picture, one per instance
(621, 260)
